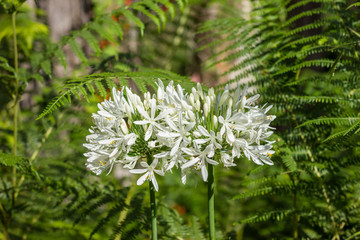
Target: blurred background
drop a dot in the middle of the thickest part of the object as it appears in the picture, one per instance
(302, 56)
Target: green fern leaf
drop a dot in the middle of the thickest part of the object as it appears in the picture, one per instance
(11, 160)
(46, 66)
(169, 6)
(103, 32)
(134, 19)
(357, 4)
(59, 54)
(91, 40)
(151, 5)
(115, 26)
(77, 50)
(143, 10)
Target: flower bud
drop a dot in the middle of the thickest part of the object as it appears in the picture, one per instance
(197, 105)
(191, 99)
(160, 94)
(208, 101)
(200, 91)
(127, 109)
(211, 92)
(212, 98)
(191, 116)
(124, 127)
(215, 120)
(224, 97)
(230, 103)
(206, 109)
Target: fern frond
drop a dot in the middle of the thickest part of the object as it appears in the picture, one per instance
(277, 215)
(355, 128)
(339, 121)
(101, 80)
(11, 160)
(112, 212)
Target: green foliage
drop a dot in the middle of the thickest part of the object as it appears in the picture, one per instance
(301, 56)
(10, 160)
(309, 72)
(103, 81)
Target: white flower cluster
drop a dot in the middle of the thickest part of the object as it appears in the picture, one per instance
(174, 128)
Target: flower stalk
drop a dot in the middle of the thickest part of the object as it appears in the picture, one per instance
(211, 202)
(153, 211)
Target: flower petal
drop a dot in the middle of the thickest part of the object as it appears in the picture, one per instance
(154, 182)
(190, 163)
(176, 147)
(203, 131)
(138, 171)
(204, 173)
(153, 108)
(142, 122)
(159, 172)
(142, 179)
(162, 115)
(154, 163)
(188, 151)
(148, 132)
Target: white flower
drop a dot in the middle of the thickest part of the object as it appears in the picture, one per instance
(180, 133)
(199, 159)
(149, 173)
(151, 120)
(211, 138)
(227, 160)
(98, 161)
(228, 125)
(186, 130)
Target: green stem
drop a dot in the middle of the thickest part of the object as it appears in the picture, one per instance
(211, 202)
(152, 202)
(16, 63)
(16, 109)
(153, 211)
(295, 228)
(4, 220)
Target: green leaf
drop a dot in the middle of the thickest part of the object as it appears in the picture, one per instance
(169, 6)
(357, 4)
(181, 4)
(11, 160)
(46, 66)
(77, 50)
(91, 40)
(115, 26)
(141, 8)
(59, 54)
(101, 31)
(134, 19)
(354, 32)
(156, 9)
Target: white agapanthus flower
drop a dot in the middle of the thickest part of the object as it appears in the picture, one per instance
(175, 128)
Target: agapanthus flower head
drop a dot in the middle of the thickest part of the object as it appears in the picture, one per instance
(175, 128)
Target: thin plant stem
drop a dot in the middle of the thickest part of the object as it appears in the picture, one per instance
(211, 202)
(295, 228)
(4, 221)
(152, 202)
(36, 152)
(16, 104)
(153, 211)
